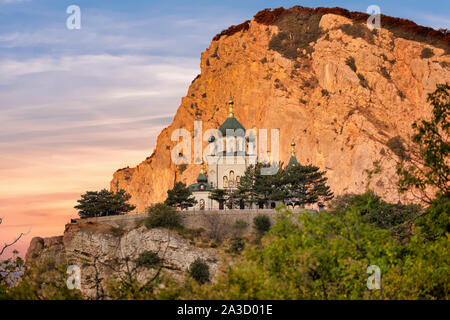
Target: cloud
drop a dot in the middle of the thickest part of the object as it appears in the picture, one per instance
(435, 21)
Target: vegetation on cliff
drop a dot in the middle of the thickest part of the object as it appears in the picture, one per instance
(103, 203)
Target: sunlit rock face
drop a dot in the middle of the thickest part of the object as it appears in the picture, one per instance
(344, 97)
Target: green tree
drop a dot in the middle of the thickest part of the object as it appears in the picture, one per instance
(397, 218)
(180, 197)
(306, 185)
(325, 256)
(199, 270)
(162, 215)
(262, 224)
(219, 195)
(427, 170)
(103, 203)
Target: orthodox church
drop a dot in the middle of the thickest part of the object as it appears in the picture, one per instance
(225, 168)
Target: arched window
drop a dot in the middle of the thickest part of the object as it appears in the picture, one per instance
(225, 181)
(238, 181)
(231, 182)
(202, 204)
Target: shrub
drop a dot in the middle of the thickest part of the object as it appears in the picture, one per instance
(117, 231)
(350, 61)
(237, 244)
(426, 53)
(358, 30)
(363, 81)
(261, 224)
(385, 73)
(297, 31)
(149, 259)
(397, 147)
(199, 270)
(240, 224)
(161, 215)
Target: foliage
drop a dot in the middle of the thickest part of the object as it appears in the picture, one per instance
(397, 218)
(199, 270)
(428, 168)
(435, 222)
(358, 30)
(219, 195)
(350, 61)
(362, 80)
(397, 147)
(149, 259)
(299, 184)
(162, 215)
(237, 244)
(43, 282)
(306, 185)
(426, 53)
(180, 197)
(297, 31)
(103, 203)
(262, 224)
(325, 256)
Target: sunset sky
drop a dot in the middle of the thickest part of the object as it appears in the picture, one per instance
(75, 105)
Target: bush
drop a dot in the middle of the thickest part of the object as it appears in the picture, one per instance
(297, 31)
(261, 224)
(237, 244)
(350, 61)
(385, 73)
(363, 81)
(199, 270)
(164, 216)
(148, 259)
(426, 53)
(397, 147)
(358, 30)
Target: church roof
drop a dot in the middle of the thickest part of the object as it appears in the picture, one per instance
(293, 159)
(202, 181)
(231, 122)
(293, 162)
(199, 187)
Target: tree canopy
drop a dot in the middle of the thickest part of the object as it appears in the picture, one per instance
(180, 197)
(103, 203)
(426, 171)
(297, 184)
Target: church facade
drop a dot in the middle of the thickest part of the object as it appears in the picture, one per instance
(225, 168)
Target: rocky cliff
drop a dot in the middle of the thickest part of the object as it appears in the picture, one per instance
(347, 95)
(104, 251)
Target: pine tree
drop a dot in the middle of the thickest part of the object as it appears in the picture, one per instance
(180, 197)
(219, 195)
(306, 185)
(103, 203)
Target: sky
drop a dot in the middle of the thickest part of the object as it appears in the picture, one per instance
(76, 105)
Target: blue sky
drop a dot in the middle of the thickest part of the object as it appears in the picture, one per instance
(75, 105)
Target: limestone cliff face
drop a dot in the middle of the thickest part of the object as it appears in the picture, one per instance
(101, 250)
(345, 97)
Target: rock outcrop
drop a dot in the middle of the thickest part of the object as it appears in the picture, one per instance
(103, 251)
(347, 95)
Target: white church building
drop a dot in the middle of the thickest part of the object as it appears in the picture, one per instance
(225, 168)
